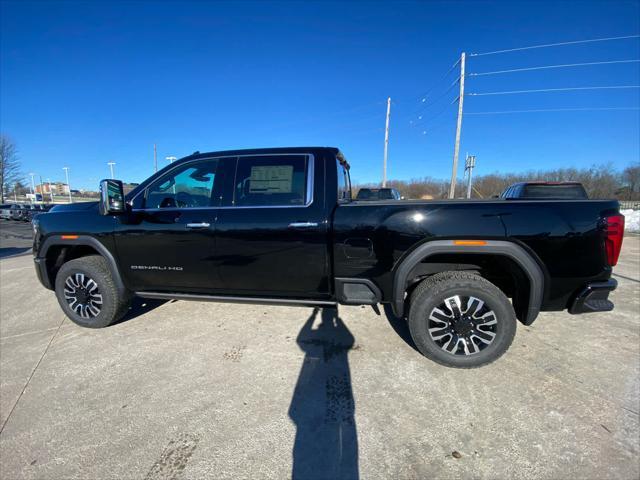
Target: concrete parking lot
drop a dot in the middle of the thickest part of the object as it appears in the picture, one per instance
(205, 390)
(15, 237)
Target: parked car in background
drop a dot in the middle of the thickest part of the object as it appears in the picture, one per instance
(549, 190)
(25, 212)
(37, 210)
(378, 194)
(5, 211)
(17, 211)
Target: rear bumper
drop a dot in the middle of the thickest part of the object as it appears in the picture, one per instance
(594, 298)
(41, 272)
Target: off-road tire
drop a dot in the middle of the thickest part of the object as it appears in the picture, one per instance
(432, 292)
(95, 268)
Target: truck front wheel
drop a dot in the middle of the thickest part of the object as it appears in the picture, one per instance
(460, 319)
(87, 294)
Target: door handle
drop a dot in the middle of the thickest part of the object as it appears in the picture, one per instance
(198, 225)
(303, 224)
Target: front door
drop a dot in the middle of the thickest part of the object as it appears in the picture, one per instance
(272, 235)
(167, 245)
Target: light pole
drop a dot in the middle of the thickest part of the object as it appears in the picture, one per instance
(50, 191)
(15, 192)
(33, 185)
(111, 164)
(66, 172)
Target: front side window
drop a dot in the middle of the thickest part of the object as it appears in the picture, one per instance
(271, 180)
(189, 186)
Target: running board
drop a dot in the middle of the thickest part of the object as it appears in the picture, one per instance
(225, 299)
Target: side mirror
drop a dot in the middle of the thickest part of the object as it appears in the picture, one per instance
(111, 197)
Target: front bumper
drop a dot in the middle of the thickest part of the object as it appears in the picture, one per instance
(594, 298)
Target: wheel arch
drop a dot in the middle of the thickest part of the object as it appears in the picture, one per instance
(510, 251)
(55, 251)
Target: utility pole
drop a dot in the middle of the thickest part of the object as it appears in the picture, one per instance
(155, 158)
(15, 192)
(456, 148)
(111, 164)
(66, 172)
(469, 164)
(386, 144)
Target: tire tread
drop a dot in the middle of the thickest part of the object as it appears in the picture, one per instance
(432, 286)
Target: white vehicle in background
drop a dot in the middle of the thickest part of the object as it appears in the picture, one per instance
(5, 211)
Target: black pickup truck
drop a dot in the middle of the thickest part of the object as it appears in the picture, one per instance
(279, 226)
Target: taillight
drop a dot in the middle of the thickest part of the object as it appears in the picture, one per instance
(613, 240)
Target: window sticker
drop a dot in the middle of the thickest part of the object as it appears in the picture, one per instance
(271, 179)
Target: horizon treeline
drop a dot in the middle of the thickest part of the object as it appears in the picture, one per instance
(600, 181)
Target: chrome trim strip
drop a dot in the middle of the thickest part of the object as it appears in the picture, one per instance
(303, 224)
(310, 179)
(235, 299)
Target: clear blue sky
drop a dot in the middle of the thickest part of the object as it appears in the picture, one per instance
(82, 83)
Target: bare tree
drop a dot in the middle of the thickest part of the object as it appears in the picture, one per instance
(9, 166)
(631, 177)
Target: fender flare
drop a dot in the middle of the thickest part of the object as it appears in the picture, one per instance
(88, 241)
(492, 247)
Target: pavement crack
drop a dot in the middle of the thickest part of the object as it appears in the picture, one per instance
(31, 376)
(626, 278)
(28, 333)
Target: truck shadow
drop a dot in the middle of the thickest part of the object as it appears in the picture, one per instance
(322, 407)
(400, 326)
(14, 251)
(140, 306)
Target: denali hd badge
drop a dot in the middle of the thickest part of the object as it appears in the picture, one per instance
(155, 267)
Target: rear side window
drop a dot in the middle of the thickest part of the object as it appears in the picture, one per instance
(272, 180)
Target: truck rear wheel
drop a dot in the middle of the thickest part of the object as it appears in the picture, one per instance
(460, 319)
(87, 294)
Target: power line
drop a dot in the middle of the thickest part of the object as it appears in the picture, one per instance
(584, 109)
(423, 96)
(423, 123)
(419, 112)
(442, 95)
(545, 67)
(606, 39)
(566, 89)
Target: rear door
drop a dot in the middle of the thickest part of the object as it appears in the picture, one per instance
(272, 234)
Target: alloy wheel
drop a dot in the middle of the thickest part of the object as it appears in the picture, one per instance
(462, 325)
(83, 295)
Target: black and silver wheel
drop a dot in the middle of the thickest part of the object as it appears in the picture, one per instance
(460, 319)
(83, 295)
(87, 294)
(462, 325)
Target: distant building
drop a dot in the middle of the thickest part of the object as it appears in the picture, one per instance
(57, 188)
